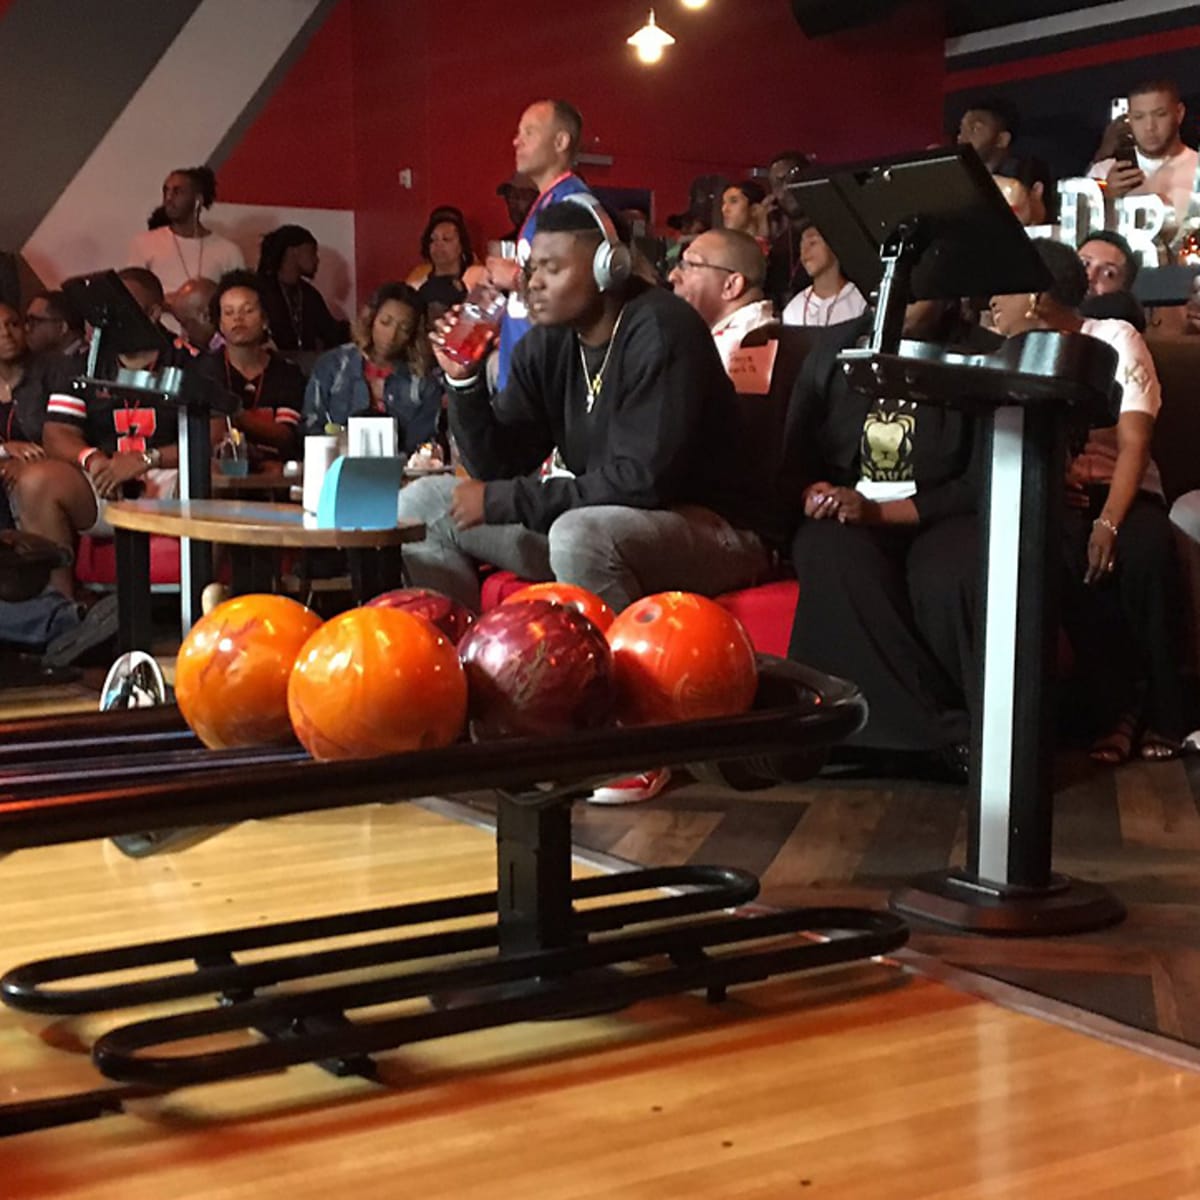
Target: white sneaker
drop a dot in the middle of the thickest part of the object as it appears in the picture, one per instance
(213, 594)
(633, 790)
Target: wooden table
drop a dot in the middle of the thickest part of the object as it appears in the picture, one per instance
(245, 526)
(258, 484)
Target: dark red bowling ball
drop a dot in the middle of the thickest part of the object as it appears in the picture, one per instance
(536, 669)
(451, 617)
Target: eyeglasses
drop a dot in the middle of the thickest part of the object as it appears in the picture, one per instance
(31, 321)
(691, 264)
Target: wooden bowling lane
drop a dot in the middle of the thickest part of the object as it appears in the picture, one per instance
(860, 1082)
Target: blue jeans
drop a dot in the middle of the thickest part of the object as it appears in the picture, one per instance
(619, 553)
(34, 624)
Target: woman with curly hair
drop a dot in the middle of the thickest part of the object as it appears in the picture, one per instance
(385, 370)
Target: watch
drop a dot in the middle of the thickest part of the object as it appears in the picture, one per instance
(152, 458)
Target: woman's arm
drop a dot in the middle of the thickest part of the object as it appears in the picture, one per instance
(1134, 432)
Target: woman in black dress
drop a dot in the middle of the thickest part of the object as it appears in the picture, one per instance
(886, 551)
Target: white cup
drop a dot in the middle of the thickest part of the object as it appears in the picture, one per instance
(372, 437)
(320, 451)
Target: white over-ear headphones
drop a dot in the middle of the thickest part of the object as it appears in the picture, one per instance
(613, 263)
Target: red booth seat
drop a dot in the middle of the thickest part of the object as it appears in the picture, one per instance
(96, 562)
(766, 611)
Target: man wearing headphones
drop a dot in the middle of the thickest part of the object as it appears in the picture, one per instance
(625, 381)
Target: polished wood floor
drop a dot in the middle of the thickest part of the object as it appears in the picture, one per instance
(843, 839)
(859, 1083)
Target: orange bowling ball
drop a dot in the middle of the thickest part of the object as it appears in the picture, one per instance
(376, 681)
(232, 671)
(570, 596)
(681, 657)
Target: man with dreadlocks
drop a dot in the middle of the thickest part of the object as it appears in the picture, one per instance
(297, 315)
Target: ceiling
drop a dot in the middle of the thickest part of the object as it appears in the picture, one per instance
(971, 16)
(962, 16)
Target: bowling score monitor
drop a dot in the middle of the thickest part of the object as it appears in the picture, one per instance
(119, 325)
(963, 236)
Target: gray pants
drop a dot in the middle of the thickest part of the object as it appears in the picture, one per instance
(618, 553)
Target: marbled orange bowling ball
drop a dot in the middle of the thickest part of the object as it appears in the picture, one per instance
(681, 657)
(376, 681)
(232, 671)
(571, 596)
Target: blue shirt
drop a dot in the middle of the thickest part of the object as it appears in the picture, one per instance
(515, 323)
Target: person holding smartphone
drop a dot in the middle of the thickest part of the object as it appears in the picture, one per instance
(1142, 152)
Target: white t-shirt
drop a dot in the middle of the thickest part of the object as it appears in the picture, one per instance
(1172, 178)
(175, 259)
(1140, 392)
(729, 331)
(807, 308)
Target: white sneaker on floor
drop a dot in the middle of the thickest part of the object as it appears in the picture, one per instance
(633, 790)
(213, 594)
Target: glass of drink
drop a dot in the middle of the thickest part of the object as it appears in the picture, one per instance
(476, 325)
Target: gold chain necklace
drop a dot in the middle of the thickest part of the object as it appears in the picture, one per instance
(593, 383)
(183, 262)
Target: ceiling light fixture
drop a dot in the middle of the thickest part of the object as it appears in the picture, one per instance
(650, 41)
(694, 4)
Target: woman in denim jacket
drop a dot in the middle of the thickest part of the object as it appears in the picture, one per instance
(385, 370)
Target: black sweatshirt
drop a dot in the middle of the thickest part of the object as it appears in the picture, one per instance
(656, 437)
(825, 430)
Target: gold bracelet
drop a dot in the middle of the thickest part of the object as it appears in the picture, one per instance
(1107, 525)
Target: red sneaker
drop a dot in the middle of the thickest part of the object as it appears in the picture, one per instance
(633, 790)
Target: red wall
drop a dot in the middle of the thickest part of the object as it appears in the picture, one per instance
(437, 88)
(441, 94)
(299, 152)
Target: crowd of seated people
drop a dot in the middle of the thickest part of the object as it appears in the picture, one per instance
(595, 445)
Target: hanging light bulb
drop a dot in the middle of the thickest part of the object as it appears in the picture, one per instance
(650, 41)
(694, 4)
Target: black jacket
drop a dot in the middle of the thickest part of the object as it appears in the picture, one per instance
(656, 436)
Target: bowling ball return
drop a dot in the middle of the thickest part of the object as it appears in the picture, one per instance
(543, 945)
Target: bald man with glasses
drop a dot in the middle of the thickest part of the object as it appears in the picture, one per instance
(721, 275)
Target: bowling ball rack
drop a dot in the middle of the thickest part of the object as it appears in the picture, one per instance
(543, 946)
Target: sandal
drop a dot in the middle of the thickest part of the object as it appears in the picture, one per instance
(1116, 746)
(1156, 748)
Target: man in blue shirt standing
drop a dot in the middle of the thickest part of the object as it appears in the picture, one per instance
(546, 146)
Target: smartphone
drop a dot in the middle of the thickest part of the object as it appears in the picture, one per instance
(1126, 151)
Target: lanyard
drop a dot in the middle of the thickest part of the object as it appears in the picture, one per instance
(258, 390)
(542, 200)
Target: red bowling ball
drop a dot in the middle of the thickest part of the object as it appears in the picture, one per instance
(536, 669)
(451, 617)
(572, 596)
(681, 657)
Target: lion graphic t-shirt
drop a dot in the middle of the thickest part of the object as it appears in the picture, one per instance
(886, 451)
